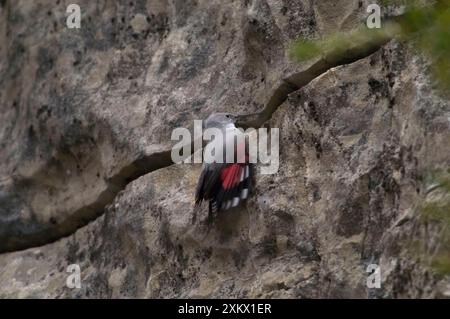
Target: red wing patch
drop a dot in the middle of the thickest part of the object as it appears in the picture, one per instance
(230, 176)
(224, 185)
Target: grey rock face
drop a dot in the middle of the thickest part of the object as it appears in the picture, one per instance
(84, 111)
(82, 107)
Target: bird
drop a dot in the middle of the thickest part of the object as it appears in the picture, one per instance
(224, 184)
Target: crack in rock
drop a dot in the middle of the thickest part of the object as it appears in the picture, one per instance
(147, 163)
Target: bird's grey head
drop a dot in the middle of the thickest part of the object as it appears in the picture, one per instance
(219, 120)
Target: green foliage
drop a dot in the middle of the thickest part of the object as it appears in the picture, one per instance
(441, 264)
(427, 27)
(337, 43)
(438, 211)
(440, 178)
(400, 2)
(305, 49)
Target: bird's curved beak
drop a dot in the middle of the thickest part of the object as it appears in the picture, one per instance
(246, 121)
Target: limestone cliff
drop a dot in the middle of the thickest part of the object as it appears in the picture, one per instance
(86, 176)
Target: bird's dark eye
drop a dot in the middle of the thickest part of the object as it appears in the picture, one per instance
(228, 115)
